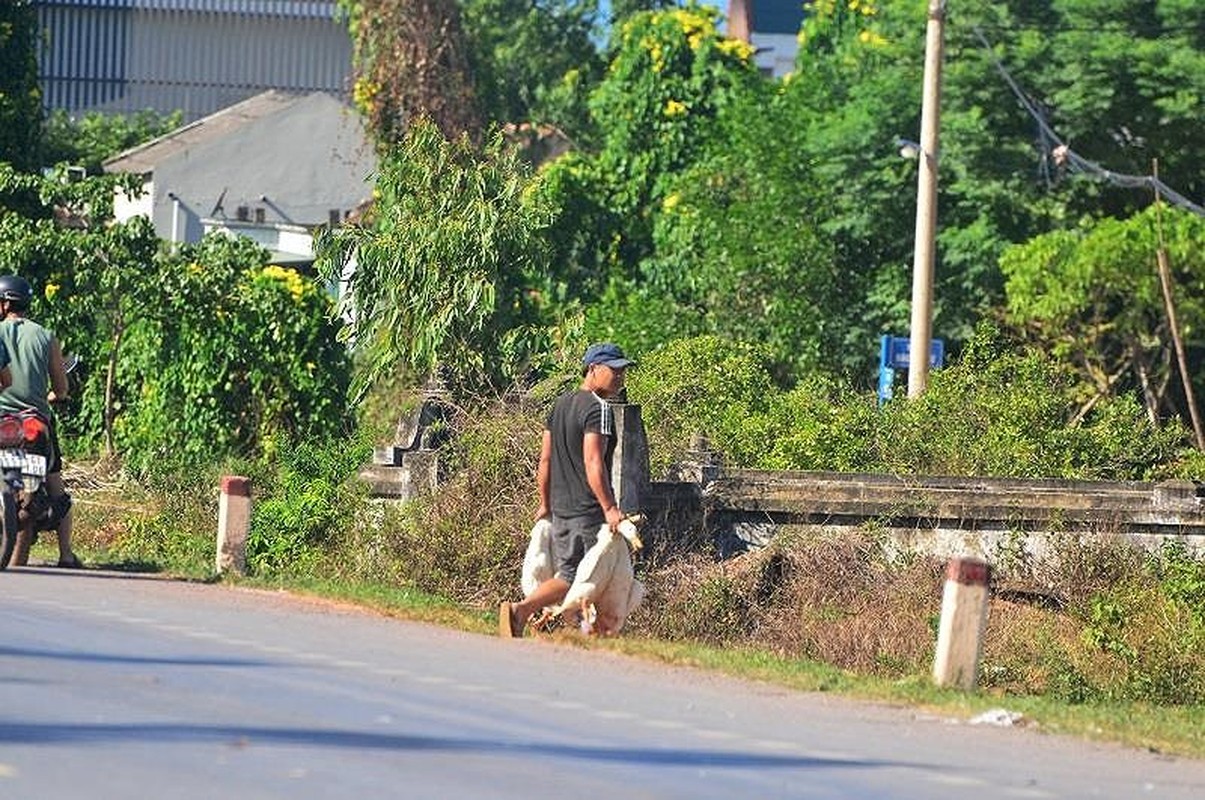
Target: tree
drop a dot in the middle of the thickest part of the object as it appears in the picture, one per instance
(20, 98)
(1092, 298)
(737, 252)
(90, 139)
(655, 113)
(857, 88)
(411, 60)
(451, 270)
(57, 234)
(1125, 84)
(523, 55)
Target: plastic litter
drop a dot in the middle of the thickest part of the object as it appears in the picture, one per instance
(998, 716)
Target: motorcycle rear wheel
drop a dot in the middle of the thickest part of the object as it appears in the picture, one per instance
(8, 526)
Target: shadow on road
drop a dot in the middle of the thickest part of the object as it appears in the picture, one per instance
(243, 737)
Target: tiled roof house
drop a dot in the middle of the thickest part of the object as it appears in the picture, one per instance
(271, 168)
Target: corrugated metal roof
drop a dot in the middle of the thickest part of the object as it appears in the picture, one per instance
(276, 8)
(145, 157)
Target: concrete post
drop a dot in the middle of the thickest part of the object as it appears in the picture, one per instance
(234, 520)
(630, 464)
(963, 617)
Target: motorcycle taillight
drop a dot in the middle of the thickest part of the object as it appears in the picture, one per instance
(32, 428)
(12, 433)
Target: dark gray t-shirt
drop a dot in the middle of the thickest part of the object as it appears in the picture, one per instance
(574, 415)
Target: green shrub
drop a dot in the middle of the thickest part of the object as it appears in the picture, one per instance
(996, 411)
(466, 540)
(229, 353)
(1000, 412)
(821, 425)
(705, 385)
(313, 492)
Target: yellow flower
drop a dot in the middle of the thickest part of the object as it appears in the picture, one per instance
(871, 38)
(291, 279)
(674, 108)
(51, 290)
(671, 201)
(364, 91)
(735, 47)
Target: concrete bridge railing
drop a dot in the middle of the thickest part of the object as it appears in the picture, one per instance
(743, 508)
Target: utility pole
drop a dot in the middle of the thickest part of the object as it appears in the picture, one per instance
(921, 333)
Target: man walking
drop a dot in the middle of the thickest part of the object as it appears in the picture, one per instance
(574, 478)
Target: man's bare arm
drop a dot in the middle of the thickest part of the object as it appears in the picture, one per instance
(542, 476)
(58, 373)
(594, 448)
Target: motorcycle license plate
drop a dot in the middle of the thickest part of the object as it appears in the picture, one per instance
(28, 463)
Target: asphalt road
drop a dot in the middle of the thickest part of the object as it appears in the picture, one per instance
(113, 686)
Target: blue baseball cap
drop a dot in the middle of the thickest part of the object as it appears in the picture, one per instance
(607, 353)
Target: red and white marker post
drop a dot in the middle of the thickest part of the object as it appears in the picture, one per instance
(234, 520)
(963, 618)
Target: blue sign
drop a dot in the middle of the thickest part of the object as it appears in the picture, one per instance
(894, 353)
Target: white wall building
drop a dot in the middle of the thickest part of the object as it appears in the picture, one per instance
(272, 168)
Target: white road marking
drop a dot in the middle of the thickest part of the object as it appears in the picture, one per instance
(347, 664)
(953, 780)
(773, 744)
(473, 687)
(664, 724)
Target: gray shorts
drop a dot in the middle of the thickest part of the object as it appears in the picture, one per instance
(571, 538)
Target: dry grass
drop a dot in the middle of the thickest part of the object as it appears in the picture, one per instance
(834, 599)
(1099, 624)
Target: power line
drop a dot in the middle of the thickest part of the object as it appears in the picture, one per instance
(1123, 27)
(1064, 154)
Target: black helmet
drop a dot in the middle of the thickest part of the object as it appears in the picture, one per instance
(15, 288)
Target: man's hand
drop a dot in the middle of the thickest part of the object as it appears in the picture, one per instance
(614, 517)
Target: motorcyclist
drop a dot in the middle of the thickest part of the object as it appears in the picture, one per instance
(39, 378)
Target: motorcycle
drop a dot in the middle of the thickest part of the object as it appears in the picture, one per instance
(24, 456)
(24, 452)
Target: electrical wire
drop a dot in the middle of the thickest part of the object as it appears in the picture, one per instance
(1063, 153)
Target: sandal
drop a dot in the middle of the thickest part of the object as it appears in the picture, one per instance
(508, 626)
